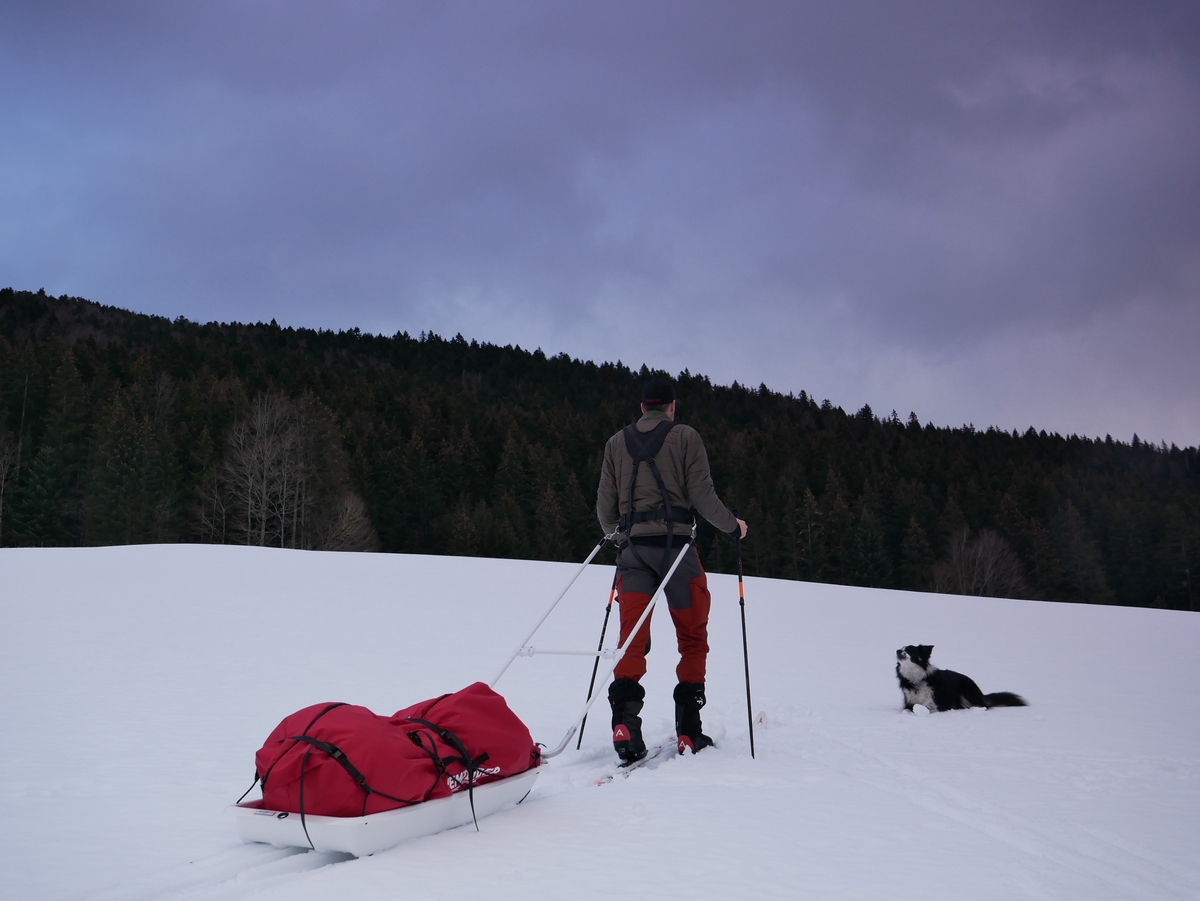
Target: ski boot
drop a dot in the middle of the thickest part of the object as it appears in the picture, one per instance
(689, 698)
(625, 697)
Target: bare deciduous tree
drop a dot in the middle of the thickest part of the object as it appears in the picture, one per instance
(212, 514)
(263, 474)
(984, 566)
(349, 528)
(282, 483)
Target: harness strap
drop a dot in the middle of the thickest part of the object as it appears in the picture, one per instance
(644, 446)
(676, 515)
(662, 487)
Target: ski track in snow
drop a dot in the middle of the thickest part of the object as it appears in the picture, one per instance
(141, 681)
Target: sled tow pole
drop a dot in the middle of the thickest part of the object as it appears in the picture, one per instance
(522, 647)
(621, 649)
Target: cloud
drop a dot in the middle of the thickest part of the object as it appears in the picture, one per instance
(858, 199)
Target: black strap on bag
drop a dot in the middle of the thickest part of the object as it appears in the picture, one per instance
(644, 447)
(470, 763)
(359, 779)
(268, 772)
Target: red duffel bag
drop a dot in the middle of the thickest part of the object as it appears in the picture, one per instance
(345, 761)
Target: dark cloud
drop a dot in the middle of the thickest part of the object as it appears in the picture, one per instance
(980, 211)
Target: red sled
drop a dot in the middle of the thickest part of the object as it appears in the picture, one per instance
(336, 777)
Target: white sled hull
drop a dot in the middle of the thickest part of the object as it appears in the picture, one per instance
(361, 836)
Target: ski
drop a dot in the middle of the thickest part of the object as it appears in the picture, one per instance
(656, 755)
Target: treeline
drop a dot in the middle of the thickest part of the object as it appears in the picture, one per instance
(118, 427)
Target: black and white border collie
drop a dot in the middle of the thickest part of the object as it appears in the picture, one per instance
(942, 689)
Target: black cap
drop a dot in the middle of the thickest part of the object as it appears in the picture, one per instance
(657, 391)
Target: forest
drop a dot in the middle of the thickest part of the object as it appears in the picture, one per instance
(123, 428)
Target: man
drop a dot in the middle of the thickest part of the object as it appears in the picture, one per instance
(653, 480)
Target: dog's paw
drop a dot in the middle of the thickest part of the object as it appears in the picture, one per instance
(920, 710)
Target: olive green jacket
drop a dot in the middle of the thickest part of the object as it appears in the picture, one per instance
(683, 464)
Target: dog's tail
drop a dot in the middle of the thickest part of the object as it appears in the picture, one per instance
(1004, 699)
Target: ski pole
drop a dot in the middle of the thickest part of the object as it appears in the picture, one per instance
(599, 545)
(737, 543)
(599, 648)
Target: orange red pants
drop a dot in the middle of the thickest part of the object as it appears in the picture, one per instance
(639, 571)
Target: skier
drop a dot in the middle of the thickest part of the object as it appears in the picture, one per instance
(653, 481)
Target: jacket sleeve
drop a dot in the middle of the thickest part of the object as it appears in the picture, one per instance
(608, 510)
(700, 488)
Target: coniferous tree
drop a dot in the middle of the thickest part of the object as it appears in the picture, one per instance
(1081, 565)
(43, 509)
(788, 537)
(916, 558)
(951, 524)
(458, 446)
(550, 535)
(810, 560)
(1012, 523)
(1043, 567)
(123, 499)
(869, 564)
(466, 536)
(837, 537)
(8, 472)
(48, 507)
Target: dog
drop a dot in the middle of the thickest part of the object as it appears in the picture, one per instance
(941, 689)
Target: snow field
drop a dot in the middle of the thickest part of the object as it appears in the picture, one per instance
(138, 682)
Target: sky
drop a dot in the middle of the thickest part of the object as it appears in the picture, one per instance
(984, 213)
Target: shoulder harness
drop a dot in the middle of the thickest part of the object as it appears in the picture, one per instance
(643, 447)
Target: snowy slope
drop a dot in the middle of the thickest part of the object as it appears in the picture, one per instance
(136, 684)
